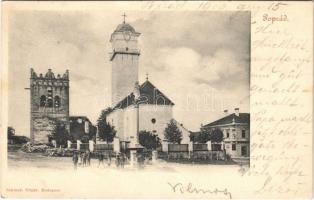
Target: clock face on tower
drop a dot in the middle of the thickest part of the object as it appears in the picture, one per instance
(127, 35)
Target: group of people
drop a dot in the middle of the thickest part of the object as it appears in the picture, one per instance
(84, 159)
(120, 159)
(101, 157)
(81, 158)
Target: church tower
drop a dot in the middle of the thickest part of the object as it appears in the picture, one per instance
(49, 104)
(124, 58)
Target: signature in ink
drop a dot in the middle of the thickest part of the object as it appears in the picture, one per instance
(189, 188)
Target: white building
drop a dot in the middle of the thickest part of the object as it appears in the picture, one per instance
(135, 107)
(236, 133)
(151, 112)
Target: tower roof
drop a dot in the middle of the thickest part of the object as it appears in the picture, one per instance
(124, 27)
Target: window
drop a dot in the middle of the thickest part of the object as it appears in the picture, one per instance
(153, 120)
(160, 100)
(43, 101)
(233, 147)
(227, 134)
(243, 133)
(243, 151)
(57, 102)
(49, 101)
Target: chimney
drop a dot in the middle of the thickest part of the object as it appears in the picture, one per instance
(226, 112)
(236, 111)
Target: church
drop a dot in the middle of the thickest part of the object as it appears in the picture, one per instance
(136, 107)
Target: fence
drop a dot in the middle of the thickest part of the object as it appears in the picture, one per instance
(200, 147)
(103, 147)
(178, 147)
(178, 151)
(216, 147)
(84, 146)
(73, 146)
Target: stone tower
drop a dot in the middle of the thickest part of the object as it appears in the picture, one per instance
(49, 104)
(124, 58)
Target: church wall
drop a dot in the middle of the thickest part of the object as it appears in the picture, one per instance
(162, 115)
(115, 119)
(185, 134)
(130, 122)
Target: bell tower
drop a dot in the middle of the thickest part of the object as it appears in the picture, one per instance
(49, 104)
(124, 57)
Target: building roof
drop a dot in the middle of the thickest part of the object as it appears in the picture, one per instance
(232, 118)
(149, 94)
(124, 27)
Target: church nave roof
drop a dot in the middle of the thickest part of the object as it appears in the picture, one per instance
(149, 94)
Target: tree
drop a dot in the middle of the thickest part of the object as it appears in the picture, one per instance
(103, 116)
(216, 136)
(92, 132)
(60, 134)
(11, 131)
(149, 140)
(202, 137)
(173, 133)
(105, 130)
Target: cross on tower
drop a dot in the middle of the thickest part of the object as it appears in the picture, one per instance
(146, 76)
(124, 15)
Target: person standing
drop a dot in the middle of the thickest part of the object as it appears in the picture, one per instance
(83, 161)
(123, 159)
(118, 161)
(79, 155)
(88, 157)
(75, 160)
(100, 159)
(109, 160)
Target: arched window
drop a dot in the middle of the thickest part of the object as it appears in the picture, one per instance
(43, 101)
(50, 100)
(57, 102)
(160, 100)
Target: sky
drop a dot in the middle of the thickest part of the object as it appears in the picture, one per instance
(200, 60)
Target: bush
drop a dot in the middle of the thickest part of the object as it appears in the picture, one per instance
(149, 140)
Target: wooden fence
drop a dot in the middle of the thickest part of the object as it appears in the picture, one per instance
(200, 147)
(178, 147)
(103, 147)
(84, 146)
